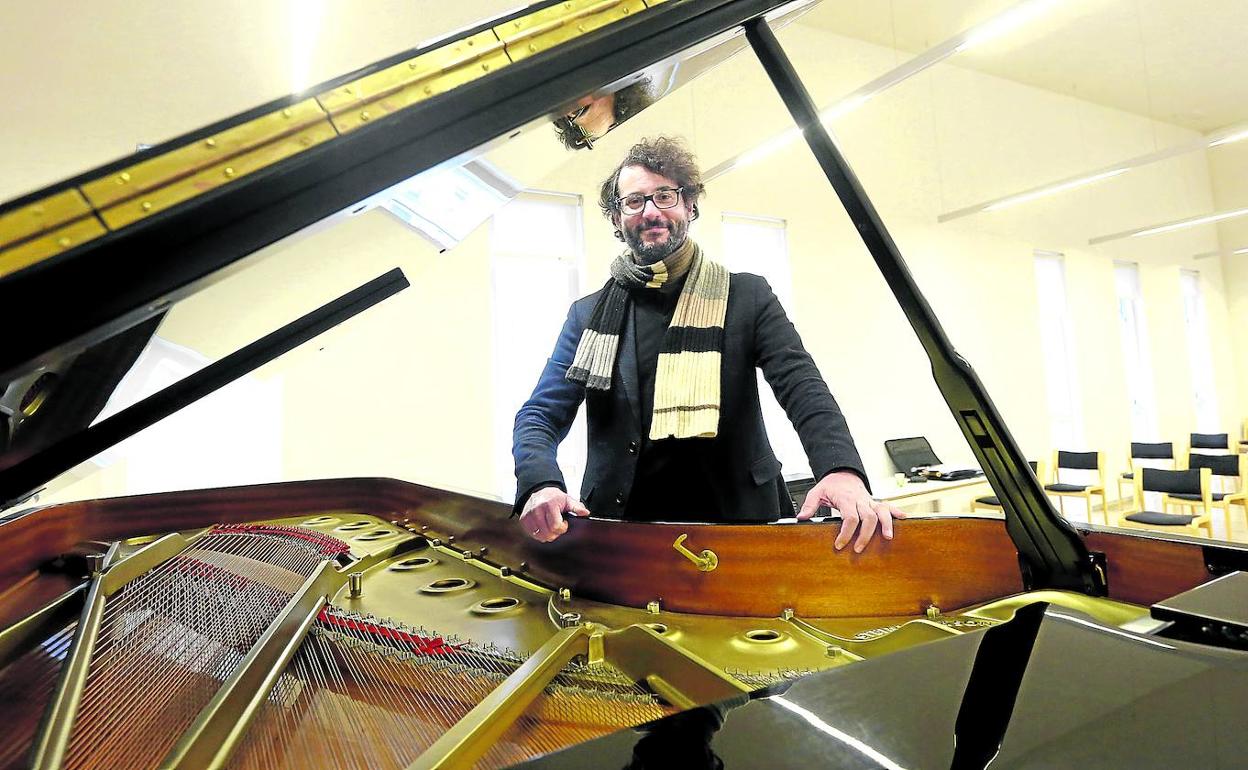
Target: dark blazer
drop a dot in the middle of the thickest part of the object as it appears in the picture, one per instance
(757, 333)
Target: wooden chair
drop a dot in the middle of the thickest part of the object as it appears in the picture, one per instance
(1079, 461)
(1193, 481)
(1148, 452)
(993, 503)
(1220, 467)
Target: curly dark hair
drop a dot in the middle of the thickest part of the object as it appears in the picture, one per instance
(664, 155)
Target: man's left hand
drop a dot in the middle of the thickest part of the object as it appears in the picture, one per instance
(845, 492)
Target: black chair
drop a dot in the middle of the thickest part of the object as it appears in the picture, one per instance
(992, 502)
(1082, 461)
(1142, 451)
(1193, 481)
(1217, 442)
(1220, 466)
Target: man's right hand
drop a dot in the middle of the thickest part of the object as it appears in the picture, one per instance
(544, 513)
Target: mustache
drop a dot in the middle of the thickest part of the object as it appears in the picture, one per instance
(646, 225)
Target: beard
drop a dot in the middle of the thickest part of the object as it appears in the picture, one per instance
(649, 253)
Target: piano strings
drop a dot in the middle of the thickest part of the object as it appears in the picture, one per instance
(170, 637)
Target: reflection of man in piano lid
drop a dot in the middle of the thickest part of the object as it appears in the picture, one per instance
(594, 116)
(664, 357)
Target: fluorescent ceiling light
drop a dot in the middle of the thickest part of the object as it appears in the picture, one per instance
(1053, 189)
(992, 28)
(1168, 227)
(1235, 137)
(1222, 136)
(1220, 253)
(1183, 224)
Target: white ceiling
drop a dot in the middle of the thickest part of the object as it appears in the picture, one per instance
(1184, 63)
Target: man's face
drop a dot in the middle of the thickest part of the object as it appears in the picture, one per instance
(651, 233)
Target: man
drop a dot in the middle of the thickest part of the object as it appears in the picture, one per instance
(664, 358)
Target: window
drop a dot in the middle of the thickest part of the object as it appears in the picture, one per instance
(758, 245)
(1057, 344)
(1199, 354)
(1137, 362)
(198, 446)
(536, 255)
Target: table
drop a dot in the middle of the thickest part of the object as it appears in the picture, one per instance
(931, 491)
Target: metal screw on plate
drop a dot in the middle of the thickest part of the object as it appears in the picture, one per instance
(210, 143)
(565, 595)
(504, 571)
(787, 613)
(524, 565)
(933, 611)
(355, 585)
(570, 619)
(653, 607)
(63, 242)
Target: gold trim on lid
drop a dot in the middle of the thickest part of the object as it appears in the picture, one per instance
(542, 30)
(397, 87)
(203, 179)
(50, 244)
(42, 216)
(165, 169)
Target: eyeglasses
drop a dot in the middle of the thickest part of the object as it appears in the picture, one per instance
(663, 198)
(580, 137)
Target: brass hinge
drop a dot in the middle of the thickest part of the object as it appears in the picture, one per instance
(45, 228)
(382, 93)
(542, 30)
(166, 180)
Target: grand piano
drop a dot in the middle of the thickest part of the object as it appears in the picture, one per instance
(378, 622)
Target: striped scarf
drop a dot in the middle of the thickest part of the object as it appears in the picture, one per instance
(686, 382)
